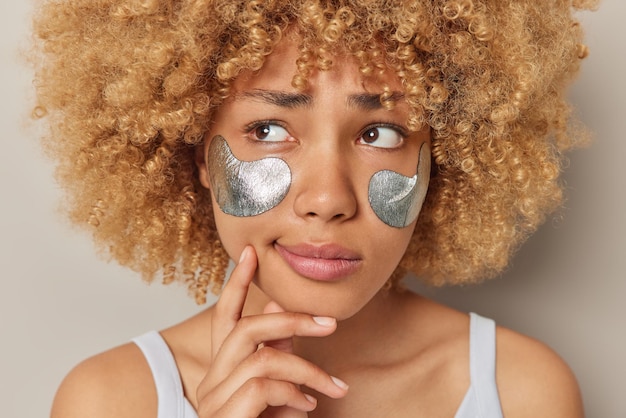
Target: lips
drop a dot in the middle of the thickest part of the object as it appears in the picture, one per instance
(324, 263)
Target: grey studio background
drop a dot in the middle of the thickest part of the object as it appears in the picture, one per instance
(60, 303)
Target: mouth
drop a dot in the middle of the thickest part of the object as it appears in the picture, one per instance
(324, 263)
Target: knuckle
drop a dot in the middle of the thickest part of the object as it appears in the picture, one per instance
(264, 356)
(310, 373)
(292, 321)
(291, 390)
(255, 387)
(313, 373)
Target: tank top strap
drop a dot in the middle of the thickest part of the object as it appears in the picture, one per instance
(482, 349)
(171, 400)
(483, 365)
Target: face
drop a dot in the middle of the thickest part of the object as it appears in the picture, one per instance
(324, 183)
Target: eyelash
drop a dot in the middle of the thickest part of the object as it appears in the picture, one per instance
(258, 123)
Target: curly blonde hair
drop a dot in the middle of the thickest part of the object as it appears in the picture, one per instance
(129, 88)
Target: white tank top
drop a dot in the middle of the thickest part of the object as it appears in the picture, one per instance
(480, 401)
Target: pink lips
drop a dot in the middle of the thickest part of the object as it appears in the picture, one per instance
(325, 263)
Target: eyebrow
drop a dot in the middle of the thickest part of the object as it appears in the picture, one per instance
(279, 98)
(371, 101)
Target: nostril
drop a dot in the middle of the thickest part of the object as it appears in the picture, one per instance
(315, 215)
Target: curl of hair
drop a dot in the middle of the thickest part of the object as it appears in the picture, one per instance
(128, 88)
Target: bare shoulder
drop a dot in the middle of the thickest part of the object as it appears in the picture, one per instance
(116, 383)
(533, 380)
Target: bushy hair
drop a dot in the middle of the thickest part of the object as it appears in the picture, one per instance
(129, 88)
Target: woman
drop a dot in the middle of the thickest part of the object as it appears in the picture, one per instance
(330, 148)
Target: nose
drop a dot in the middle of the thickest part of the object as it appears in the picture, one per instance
(324, 188)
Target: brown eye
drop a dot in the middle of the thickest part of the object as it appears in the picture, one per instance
(370, 135)
(262, 131)
(382, 137)
(269, 132)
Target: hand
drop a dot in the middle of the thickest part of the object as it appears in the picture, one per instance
(253, 370)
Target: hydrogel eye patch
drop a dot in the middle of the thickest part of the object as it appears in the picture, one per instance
(397, 199)
(246, 188)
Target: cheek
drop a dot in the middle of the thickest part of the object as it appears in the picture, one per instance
(397, 199)
(235, 233)
(242, 188)
(391, 246)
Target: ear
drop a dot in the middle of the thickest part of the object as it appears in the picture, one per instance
(200, 158)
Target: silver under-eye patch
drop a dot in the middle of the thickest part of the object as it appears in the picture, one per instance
(246, 188)
(397, 199)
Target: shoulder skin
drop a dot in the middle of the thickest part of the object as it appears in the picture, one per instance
(117, 383)
(533, 381)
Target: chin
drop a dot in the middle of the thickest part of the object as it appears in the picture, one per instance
(330, 303)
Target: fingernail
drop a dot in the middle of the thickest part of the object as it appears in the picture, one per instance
(243, 254)
(310, 398)
(325, 321)
(339, 382)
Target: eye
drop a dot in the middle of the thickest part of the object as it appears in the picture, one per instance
(269, 132)
(382, 137)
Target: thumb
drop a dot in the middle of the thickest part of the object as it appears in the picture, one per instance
(286, 344)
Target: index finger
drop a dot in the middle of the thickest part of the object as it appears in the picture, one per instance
(228, 309)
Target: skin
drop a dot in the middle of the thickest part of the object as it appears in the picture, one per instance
(276, 335)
